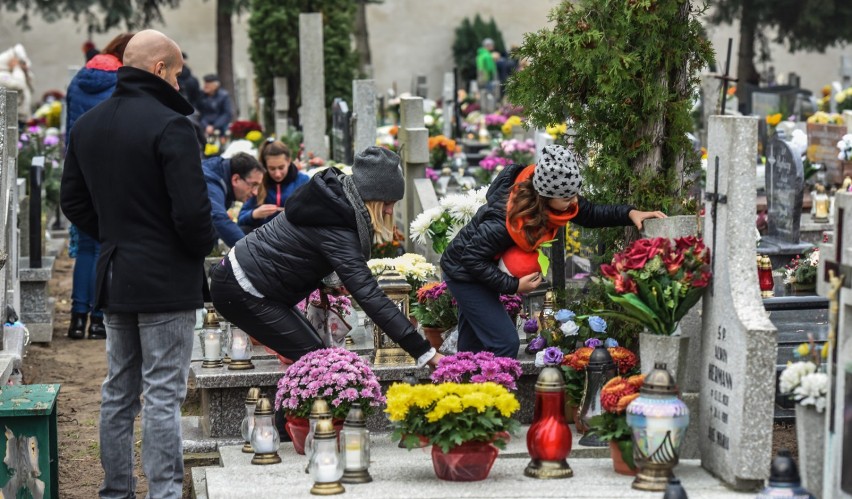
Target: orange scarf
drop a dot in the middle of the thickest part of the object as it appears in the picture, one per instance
(554, 222)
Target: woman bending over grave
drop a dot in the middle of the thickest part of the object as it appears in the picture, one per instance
(329, 225)
(526, 205)
(281, 179)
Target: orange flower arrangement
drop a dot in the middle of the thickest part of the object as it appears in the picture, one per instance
(441, 149)
(618, 392)
(611, 424)
(394, 130)
(579, 358)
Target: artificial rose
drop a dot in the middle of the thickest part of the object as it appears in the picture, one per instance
(673, 261)
(624, 284)
(569, 328)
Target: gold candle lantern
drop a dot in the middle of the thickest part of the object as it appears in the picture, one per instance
(387, 352)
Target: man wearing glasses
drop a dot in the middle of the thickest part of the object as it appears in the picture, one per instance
(228, 180)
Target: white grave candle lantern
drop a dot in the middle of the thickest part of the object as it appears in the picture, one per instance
(247, 424)
(211, 341)
(264, 436)
(355, 442)
(240, 350)
(326, 465)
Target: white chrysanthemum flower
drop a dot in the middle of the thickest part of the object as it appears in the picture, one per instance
(479, 195)
(420, 227)
(792, 375)
(812, 390)
(379, 265)
(465, 209)
(453, 231)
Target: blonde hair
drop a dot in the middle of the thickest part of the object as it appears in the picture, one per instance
(382, 224)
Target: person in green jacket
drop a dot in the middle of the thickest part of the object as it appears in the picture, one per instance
(486, 69)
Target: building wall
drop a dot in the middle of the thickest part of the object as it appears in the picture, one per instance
(407, 37)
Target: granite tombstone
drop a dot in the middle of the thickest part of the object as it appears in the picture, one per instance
(738, 347)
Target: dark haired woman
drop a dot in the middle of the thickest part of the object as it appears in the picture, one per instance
(525, 207)
(90, 86)
(280, 180)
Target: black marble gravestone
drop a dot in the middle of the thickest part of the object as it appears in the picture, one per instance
(785, 185)
(341, 132)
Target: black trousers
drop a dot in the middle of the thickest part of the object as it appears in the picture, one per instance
(278, 326)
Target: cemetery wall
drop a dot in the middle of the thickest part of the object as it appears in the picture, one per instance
(406, 37)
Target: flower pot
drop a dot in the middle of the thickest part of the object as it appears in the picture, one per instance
(810, 436)
(618, 463)
(298, 429)
(672, 350)
(434, 335)
(468, 462)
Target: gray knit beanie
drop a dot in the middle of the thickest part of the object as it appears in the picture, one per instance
(377, 175)
(557, 173)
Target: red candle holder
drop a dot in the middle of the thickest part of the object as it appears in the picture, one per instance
(764, 276)
(549, 436)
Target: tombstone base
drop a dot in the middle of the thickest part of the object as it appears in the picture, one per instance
(781, 252)
(37, 307)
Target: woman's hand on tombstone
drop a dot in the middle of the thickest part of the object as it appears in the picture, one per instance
(637, 217)
(263, 211)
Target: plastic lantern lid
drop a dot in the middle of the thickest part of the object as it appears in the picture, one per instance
(784, 469)
(600, 359)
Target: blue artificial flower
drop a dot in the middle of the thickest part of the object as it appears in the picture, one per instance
(610, 343)
(537, 344)
(597, 324)
(564, 315)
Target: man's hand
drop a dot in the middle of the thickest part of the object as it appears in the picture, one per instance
(637, 217)
(209, 130)
(263, 211)
(529, 282)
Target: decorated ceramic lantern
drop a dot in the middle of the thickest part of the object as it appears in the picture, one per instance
(658, 421)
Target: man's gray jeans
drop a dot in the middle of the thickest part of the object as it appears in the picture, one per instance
(148, 354)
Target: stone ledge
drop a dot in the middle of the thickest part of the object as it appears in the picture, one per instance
(40, 332)
(43, 273)
(8, 362)
(395, 469)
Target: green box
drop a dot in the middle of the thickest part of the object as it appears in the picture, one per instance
(30, 468)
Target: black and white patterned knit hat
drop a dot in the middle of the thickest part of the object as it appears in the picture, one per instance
(557, 173)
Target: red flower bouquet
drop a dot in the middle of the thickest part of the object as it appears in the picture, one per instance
(656, 281)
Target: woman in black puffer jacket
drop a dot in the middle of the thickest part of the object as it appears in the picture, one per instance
(327, 227)
(525, 207)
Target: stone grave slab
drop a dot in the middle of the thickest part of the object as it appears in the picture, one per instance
(312, 73)
(341, 132)
(739, 341)
(364, 107)
(395, 470)
(37, 306)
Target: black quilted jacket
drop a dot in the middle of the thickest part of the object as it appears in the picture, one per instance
(286, 258)
(471, 255)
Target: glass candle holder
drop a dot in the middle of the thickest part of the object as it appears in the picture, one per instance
(15, 337)
(326, 466)
(355, 442)
(264, 436)
(240, 350)
(211, 347)
(247, 424)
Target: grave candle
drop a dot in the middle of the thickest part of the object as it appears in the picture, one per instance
(212, 345)
(239, 345)
(263, 441)
(353, 454)
(326, 466)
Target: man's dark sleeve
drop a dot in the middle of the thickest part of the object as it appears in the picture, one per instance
(75, 198)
